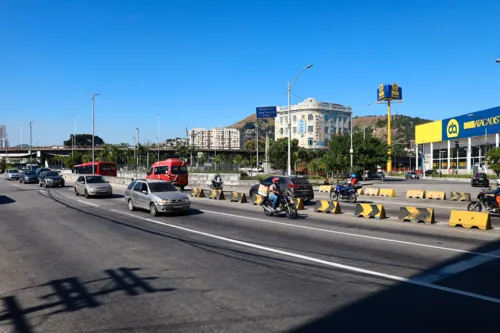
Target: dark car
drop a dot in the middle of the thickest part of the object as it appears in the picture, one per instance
(51, 179)
(38, 171)
(298, 187)
(412, 175)
(480, 179)
(374, 175)
(28, 176)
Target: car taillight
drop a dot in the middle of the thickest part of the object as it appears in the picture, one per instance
(293, 186)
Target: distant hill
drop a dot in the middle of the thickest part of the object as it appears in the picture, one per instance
(247, 126)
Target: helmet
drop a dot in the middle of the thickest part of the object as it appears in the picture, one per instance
(498, 182)
(353, 175)
(275, 180)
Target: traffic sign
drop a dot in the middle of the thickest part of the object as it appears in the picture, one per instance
(266, 111)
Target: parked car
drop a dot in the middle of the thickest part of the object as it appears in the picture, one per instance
(50, 179)
(157, 196)
(297, 187)
(480, 179)
(38, 171)
(12, 174)
(412, 175)
(28, 177)
(373, 175)
(93, 185)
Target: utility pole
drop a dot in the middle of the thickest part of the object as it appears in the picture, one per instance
(74, 137)
(137, 146)
(31, 141)
(93, 133)
(257, 143)
(158, 137)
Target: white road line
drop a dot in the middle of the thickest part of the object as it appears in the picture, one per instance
(456, 268)
(320, 261)
(356, 235)
(88, 203)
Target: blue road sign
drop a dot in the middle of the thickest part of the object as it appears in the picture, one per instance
(266, 111)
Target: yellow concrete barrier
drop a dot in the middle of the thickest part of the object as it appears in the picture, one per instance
(415, 194)
(466, 219)
(299, 204)
(415, 214)
(375, 191)
(437, 195)
(238, 197)
(459, 196)
(258, 199)
(370, 211)
(360, 191)
(325, 188)
(326, 206)
(387, 192)
(217, 195)
(198, 193)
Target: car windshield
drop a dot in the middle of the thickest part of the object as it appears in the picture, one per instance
(162, 187)
(29, 173)
(95, 180)
(179, 170)
(108, 167)
(51, 174)
(13, 171)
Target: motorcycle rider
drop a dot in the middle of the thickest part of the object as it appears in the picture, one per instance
(274, 192)
(493, 196)
(217, 181)
(351, 183)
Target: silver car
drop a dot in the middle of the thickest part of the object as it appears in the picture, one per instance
(93, 185)
(12, 174)
(157, 196)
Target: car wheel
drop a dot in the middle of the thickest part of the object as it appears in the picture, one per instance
(76, 192)
(87, 194)
(131, 205)
(153, 210)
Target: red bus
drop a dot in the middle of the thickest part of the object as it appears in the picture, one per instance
(100, 168)
(173, 170)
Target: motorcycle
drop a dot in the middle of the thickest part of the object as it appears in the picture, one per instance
(486, 201)
(285, 205)
(341, 192)
(217, 186)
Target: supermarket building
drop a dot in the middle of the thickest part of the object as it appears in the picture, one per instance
(458, 144)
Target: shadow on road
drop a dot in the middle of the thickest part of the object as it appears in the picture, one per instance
(6, 200)
(71, 294)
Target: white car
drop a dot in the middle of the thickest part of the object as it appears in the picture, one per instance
(12, 174)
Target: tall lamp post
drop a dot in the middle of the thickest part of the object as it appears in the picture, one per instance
(158, 138)
(137, 147)
(290, 119)
(93, 133)
(31, 140)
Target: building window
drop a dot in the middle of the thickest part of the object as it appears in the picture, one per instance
(281, 131)
(326, 130)
(310, 117)
(310, 129)
(310, 141)
(294, 118)
(294, 130)
(281, 120)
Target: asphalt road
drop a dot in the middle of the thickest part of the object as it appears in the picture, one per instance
(69, 264)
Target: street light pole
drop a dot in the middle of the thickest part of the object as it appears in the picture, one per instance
(93, 133)
(31, 141)
(290, 119)
(351, 151)
(137, 145)
(158, 137)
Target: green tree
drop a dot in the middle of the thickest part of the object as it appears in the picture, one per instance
(493, 160)
(278, 152)
(3, 164)
(250, 145)
(84, 140)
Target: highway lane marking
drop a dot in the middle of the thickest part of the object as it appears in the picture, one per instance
(88, 203)
(355, 235)
(456, 268)
(320, 261)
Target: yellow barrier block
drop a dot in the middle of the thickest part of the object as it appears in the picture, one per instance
(299, 204)
(326, 206)
(415, 194)
(416, 214)
(372, 191)
(437, 195)
(387, 192)
(258, 199)
(370, 211)
(459, 196)
(360, 191)
(198, 193)
(466, 219)
(217, 195)
(238, 197)
(325, 188)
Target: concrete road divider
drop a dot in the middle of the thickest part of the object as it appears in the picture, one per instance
(370, 211)
(258, 199)
(326, 188)
(415, 214)
(238, 197)
(217, 195)
(326, 206)
(387, 192)
(459, 196)
(415, 194)
(372, 191)
(436, 195)
(197, 193)
(299, 204)
(466, 219)
(360, 191)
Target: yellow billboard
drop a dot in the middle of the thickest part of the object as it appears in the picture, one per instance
(430, 132)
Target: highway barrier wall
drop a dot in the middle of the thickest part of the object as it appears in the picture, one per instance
(416, 214)
(327, 206)
(466, 219)
(370, 211)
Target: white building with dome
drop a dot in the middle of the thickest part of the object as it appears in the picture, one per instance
(313, 122)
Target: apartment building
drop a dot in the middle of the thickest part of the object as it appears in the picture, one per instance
(4, 142)
(313, 122)
(216, 138)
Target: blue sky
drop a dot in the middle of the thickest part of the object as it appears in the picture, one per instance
(210, 63)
